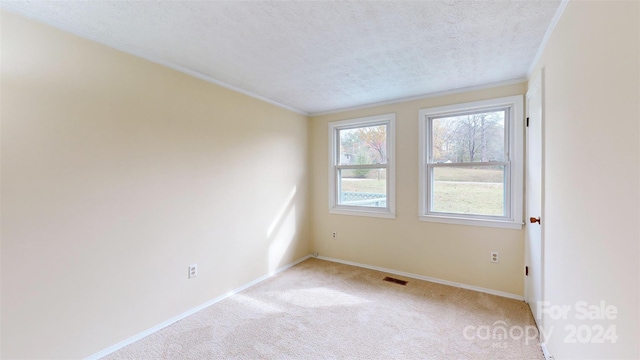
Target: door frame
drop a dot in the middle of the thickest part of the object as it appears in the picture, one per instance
(536, 83)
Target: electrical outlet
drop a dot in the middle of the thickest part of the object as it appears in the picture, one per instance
(495, 257)
(334, 235)
(193, 271)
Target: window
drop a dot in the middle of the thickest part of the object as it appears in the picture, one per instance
(362, 166)
(471, 163)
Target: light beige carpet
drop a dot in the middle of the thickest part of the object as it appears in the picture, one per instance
(324, 310)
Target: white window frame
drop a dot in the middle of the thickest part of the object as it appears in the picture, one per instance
(513, 163)
(334, 166)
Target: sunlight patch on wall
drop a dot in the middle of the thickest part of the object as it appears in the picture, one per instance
(282, 231)
(282, 212)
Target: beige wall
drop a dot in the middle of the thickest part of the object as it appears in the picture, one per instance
(592, 137)
(449, 252)
(117, 174)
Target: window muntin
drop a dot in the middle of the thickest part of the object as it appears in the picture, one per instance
(361, 166)
(471, 163)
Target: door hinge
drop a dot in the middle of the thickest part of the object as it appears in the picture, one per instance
(527, 121)
(526, 271)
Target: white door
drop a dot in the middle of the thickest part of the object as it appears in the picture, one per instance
(534, 222)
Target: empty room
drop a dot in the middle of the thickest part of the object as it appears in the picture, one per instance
(320, 180)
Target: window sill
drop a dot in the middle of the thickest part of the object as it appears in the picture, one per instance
(504, 224)
(378, 214)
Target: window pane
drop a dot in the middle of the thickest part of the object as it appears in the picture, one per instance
(363, 187)
(477, 190)
(364, 145)
(469, 138)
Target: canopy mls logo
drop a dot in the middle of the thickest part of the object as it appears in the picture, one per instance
(594, 325)
(499, 333)
(588, 323)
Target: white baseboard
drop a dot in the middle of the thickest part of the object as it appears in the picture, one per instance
(166, 323)
(426, 278)
(545, 352)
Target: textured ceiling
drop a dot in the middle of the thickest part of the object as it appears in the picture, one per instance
(318, 56)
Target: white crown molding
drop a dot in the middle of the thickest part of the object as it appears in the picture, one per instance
(166, 323)
(8, 6)
(426, 278)
(423, 96)
(547, 35)
(4, 5)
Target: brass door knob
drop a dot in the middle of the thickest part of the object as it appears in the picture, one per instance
(534, 220)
